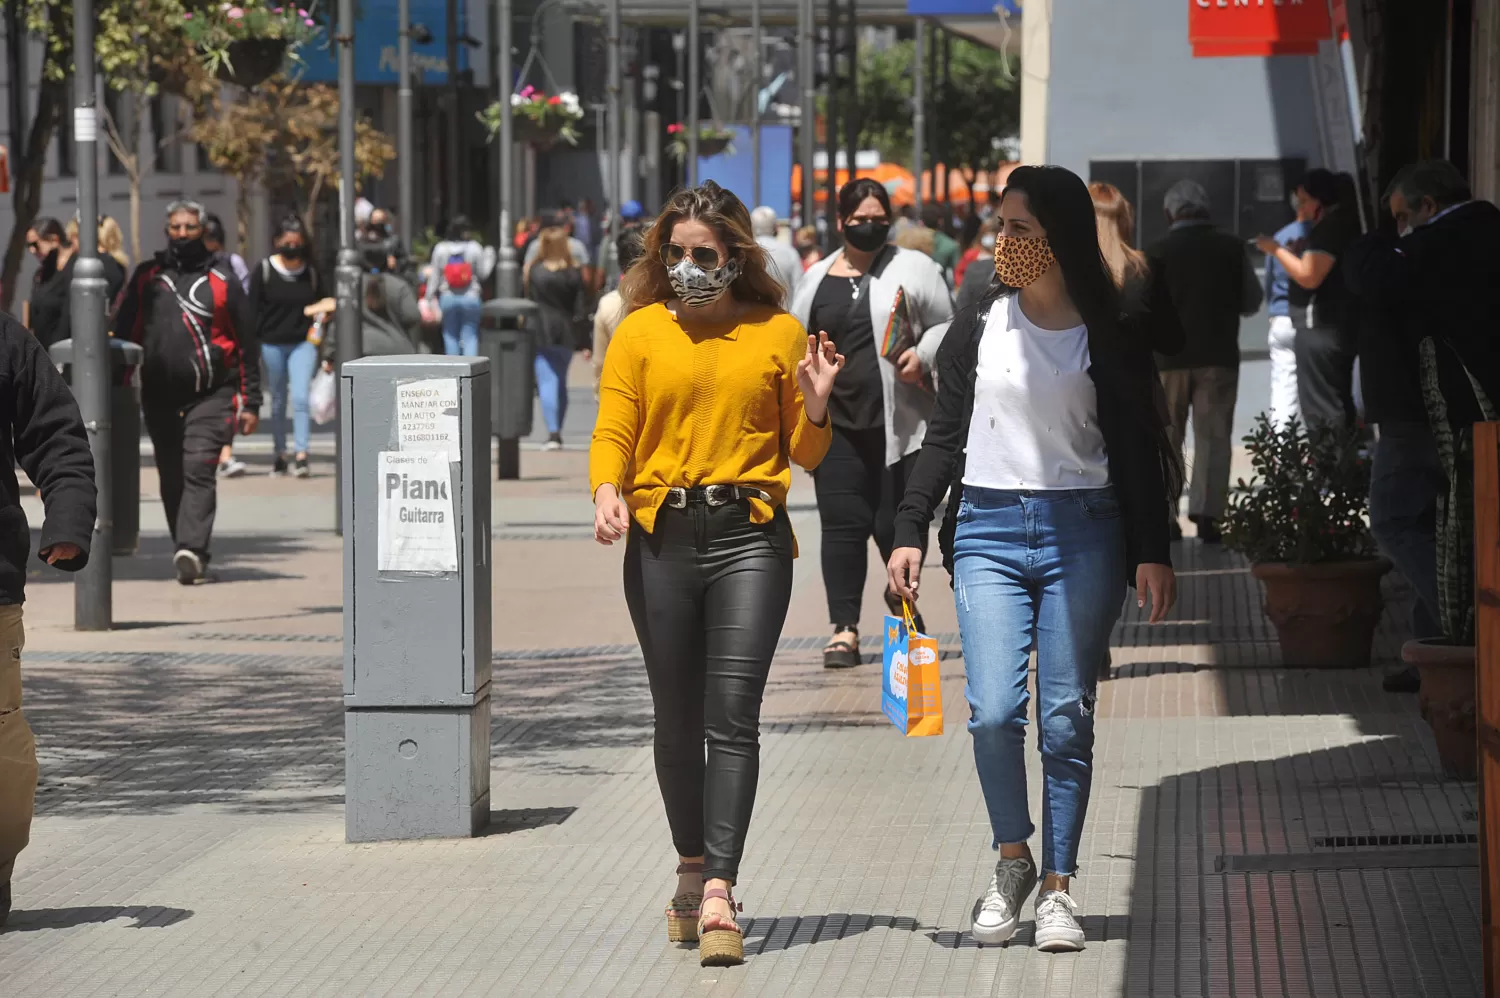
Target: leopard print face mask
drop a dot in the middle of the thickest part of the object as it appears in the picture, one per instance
(1020, 260)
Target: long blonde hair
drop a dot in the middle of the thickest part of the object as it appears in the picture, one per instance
(1116, 220)
(646, 282)
(552, 251)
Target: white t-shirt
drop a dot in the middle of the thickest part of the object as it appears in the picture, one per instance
(1035, 423)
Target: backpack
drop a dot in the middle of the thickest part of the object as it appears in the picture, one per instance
(458, 273)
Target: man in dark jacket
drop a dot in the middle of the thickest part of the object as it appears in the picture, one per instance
(1439, 278)
(40, 428)
(200, 378)
(1209, 276)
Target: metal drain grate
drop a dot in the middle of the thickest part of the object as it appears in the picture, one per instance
(1387, 841)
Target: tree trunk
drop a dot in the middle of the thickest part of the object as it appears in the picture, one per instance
(27, 196)
(242, 215)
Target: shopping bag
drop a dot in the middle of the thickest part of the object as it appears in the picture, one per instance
(323, 397)
(911, 689)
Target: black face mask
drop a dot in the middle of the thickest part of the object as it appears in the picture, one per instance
(188, 253)
(867, 236)
(293, 253)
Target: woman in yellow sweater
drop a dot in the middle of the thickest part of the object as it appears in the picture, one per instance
(709, 392)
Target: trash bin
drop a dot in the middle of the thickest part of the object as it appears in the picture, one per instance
(125, 430)
(507, 338)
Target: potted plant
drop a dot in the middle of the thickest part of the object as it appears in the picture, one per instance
(248, 41)
(538, 119)
(1301, 521)
(712, 140)
(1446, 664)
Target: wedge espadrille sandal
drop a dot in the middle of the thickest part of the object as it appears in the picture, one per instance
(683, 911)
(721, 942)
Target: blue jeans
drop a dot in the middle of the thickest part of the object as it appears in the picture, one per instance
(293, 363)
(1045, 568)
(552, 384)
(460, 324)
(1406, 479)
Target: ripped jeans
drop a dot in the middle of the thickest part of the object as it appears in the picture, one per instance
(1044, 568)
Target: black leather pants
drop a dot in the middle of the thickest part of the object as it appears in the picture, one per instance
(708, 592)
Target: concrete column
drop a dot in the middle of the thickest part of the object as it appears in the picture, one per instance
(1484, 101)
(1036, 73)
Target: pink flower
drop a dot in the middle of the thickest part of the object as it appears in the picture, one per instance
(235, 13)
(301, 12)
(278, 10)
(308, 21)
(188, 16)
(673, 129)
(528, 90)
(554, 99)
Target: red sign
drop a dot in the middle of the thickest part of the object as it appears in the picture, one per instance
(1257, 27)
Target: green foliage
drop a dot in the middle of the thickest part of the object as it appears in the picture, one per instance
(1307, 501)
(213, 29)
(979, 107)
(537, 116)
(1455, 510)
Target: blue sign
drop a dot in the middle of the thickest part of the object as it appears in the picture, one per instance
(962, 8)
(735, 171)
(375, 45)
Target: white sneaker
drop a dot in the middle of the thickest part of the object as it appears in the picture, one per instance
(189, 566)
(233, 468)
(1057, 928)
(552, 445)
(995, 914)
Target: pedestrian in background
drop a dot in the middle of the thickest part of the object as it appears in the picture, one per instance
(42, 431)
(55, 317)
(1436, 276)
(944, 247)
(1318, 300)
(112, 242)
(1143, 292)
(47, 242)
(806, 243)
(1280, 291)
(200, 376)
(710, 392)
(879, 408)
(977, 280)
(1047, 442)
(610, 311)
(554, 281)
(786, 262)
(459, 263)
(282, 290)
(969, 247)
(390, 320)
(1210, 278)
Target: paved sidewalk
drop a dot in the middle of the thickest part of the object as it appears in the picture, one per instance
(1254, 830)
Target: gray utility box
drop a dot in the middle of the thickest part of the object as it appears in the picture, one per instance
(416, 508)
(125, 434)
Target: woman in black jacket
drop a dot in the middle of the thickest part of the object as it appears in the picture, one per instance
(1046, 432)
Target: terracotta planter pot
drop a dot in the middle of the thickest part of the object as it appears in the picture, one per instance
(254, 60)
(1447, 699)
(1326, 614)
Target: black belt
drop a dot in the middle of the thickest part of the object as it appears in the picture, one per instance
(713, 495)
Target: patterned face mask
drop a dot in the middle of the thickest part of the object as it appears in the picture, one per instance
(696, 287)
(1020, 260)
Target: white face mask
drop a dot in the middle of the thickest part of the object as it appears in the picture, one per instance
(698, 288)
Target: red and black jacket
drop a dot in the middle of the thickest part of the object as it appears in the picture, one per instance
(197, 329)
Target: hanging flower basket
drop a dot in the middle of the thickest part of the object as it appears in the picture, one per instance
(537, 119)
(252, 61)
(247, 42)
(712, 141)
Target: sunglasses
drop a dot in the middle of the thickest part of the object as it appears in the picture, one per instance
(704, 256)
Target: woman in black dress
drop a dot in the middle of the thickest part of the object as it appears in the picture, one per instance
(554, 281)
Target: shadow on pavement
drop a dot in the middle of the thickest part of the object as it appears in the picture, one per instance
(772, 935)
(522, 819)
(146, 917)
(236, 558)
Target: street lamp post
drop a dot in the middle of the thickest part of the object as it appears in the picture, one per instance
(347, 273)
(806, 71)
(505, 270)
(403, 121)
(694, 88)
(93, 603)
(755, 76)
(613, 187)
(919, 110)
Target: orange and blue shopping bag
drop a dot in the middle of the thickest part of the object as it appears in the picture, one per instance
(911, 690)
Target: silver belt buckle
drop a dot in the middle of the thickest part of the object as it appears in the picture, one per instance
(677, 498)
(718, 495)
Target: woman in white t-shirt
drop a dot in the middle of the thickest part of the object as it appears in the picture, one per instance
(1046, 432)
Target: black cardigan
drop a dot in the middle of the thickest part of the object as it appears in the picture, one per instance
(1124, 375)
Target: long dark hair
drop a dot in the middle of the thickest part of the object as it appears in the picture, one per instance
(853, 194)
(1060, 201)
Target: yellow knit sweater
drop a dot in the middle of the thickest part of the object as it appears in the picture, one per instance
(713, 407)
